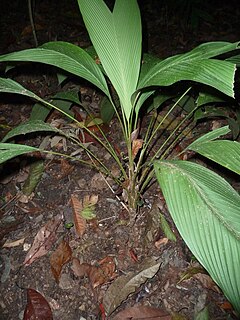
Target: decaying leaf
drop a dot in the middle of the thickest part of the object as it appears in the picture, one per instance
(123, 286)
(142, 312)
(79, 221)
(207, 282)
(136, 146)
(43, 241)
(59, 258)
(37, 307)
(82, 211)
(98, 274)
(11, 244)
(161, 242)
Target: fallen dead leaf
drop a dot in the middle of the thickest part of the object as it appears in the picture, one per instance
(98, 274)
(37, 307)
(11, 244)
(82, 211)
(160, 242)
(207, 282)
(136, 146)
(79, 221)
(124, 285)
(142, 312)
(43, 241)
(59, 258)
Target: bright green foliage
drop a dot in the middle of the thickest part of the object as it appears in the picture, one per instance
(205, 209)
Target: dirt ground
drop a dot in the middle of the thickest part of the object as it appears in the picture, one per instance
(108, 248)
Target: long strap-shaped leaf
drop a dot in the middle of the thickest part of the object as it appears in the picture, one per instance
(205, 209)
(224, 152)
(65, 56)
(116, 36)
(11, 150)
(196, 65)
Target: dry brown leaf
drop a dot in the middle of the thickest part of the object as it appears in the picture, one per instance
(136, 146)
(207, 281)
(160, 242)
(124, 285)
(106, 271)
(59, 258)
(43, 241)
(98, 275)
(142, 312)
(11, 244)
(135, 134)
(80, 269)
(37, 307)
(90, 200)
(79, 221)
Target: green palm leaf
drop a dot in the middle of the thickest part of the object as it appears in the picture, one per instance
(224, 152)
(196, 66)
(205, 209)
(11, 150)
(65, 56)
(116, 36)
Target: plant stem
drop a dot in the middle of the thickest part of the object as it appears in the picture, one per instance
(30, 12)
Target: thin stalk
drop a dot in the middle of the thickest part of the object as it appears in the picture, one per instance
(144, 148)
(170, 136)
(165, 117)
(30, 13)
(149, 175)
(109, 148)
(92, 155)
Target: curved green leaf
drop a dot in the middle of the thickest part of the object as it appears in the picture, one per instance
(66, 56)
(209, 137)
(196, 66)
(11, 86)
(224, 152)
(205, 209)
(116, 37)
(29, 127)
(11, 150)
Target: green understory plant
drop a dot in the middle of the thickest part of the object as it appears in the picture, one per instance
(204, 207)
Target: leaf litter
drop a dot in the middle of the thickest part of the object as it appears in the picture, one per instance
(43, 241)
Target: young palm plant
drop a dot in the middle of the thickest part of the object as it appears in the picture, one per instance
(204, 207)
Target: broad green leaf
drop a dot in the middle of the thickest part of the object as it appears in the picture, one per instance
(196, 66)
(116, 37)
(62, 100)
(11, 150)
(107, 110)
(209, 137)
(223, 152)
(11, 86)
(66, 56)
(29, 127)
(205, 209)
(40, 111)
(235, 59)
(208, 97)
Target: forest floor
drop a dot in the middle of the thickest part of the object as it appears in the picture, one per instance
(108, 249)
